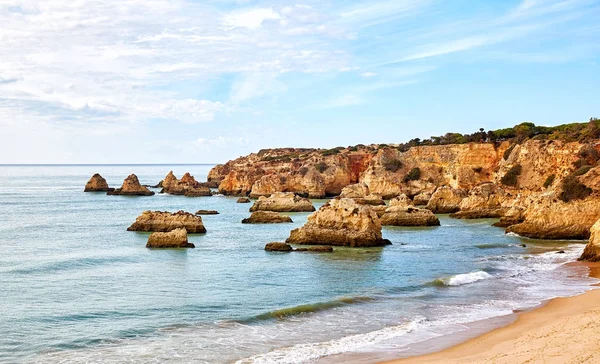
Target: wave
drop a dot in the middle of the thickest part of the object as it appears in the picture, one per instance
(461, 279)
(310, 308)
(310, 352)
(72, 264)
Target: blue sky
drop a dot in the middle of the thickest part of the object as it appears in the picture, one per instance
(160, 81)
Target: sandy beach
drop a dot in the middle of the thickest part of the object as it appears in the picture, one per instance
(565, 330)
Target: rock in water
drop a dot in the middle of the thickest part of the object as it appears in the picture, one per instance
(446, 200)
(163, 221)
(243, 200)
(422, 199)
(187, 186)
(401, 200)
(97, 184)
(591, 253)
(207, 212)
(283, 202)
(131, 187)
(173, 239)
(357, 190)
(340, 222)
(278, 247)
(266, 217)
(408, 216)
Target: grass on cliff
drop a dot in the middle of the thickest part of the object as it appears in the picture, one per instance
(413, 175)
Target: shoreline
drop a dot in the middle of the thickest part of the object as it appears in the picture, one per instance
(559, 330)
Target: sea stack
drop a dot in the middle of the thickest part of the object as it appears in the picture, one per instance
(131, 187)
(266, 217)
(283, 202)
(186, 186)
(340, 222)
(97, 184)
(163, 221)
(173, 239)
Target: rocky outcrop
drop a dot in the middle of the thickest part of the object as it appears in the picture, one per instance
(483, 197)
(547, 217)
(163, 221)
(173, 239)
(340, 222)
(408, 216)
(513, 216)
(359, 192)
(422, 199)
(207, 212)
(266, 217)
(97, 184)
(316, 249)
(401, 200)
(278, 247)
(493, 213)
(131, 187)
(243, 200)
(446, 200)
(591, 253)
(186, 186)
(283, 202)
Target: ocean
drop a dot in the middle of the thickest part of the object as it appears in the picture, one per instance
(76, 287)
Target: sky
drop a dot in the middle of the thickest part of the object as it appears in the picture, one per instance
(188, 81)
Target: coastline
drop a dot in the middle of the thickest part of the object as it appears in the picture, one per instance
(561, 330)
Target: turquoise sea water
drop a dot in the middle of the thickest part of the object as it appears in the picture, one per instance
(75, 286)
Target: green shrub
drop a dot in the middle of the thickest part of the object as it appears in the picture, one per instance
(321, 167)
(413, 175)
(511, 177)
(583, 170)
(572, 189)
(549, 180)
(392, 165)
(509, 151)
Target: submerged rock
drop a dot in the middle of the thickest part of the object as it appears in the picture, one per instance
(316, 249)
(207, 212)
(173, 239)
(97, 184)
(131, 187)
(278, 247)
(408, 216)
(283, 202)
(480, 214)
(243, 200)
(163, 221)
(187, 186)
(446, 200)
(340, 222)
(266, 217)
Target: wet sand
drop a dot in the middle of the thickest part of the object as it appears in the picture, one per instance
(565, 330)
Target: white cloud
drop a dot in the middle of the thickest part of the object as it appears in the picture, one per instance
(255, 85)
(250, 18)
(368, 74)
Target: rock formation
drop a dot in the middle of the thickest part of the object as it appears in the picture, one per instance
(359, 192)
(316, 249)
(207, 212)
(131, 187)
(401, 200)
(283, 202)
(547, 217)
(163, 221)
(243, 200)
(408, 216)
(340, 222)
(97, 184)
(513, 216)
(278, 247)
(266, 217)
(187, 186)
(173, 239)
(422, 199)
(446, 200)
(591, 252)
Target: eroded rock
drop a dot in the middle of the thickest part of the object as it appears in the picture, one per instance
(186, 186)
(446, 200)
(131, 187)
(591, 253)
(266, 217)
(340, 222)
(163, 221)
(408, 216)
(97, 184)
(176, 238)
(283, 202)
(278, 247)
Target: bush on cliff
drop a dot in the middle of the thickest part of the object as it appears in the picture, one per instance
(572, 189)
(549, 180)
(392, 165)
(512, 176)
(413, 175)
(321, 167)
(583, 170)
